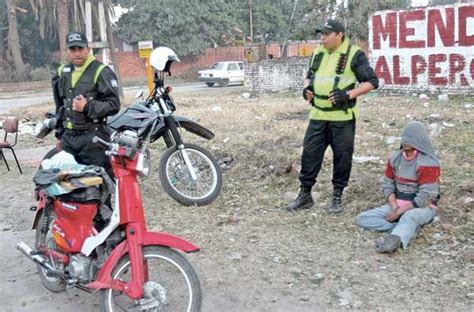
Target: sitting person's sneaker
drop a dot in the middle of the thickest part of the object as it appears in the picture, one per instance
(389, 244)
(303, 201)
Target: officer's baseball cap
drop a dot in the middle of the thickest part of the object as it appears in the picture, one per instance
(76, 39)
(331, 26)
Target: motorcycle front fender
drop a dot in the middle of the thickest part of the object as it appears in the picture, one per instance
(104, 278)
(185, 123)
(168, 240)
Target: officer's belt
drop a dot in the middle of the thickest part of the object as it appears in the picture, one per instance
(78, 132)
(333, 108)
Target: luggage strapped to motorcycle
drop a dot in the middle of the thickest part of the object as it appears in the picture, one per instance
(341, 65)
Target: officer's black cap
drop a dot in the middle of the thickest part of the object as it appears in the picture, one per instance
(76, 39)
(331, 26)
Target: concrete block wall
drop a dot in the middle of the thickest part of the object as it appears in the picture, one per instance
(275, 75)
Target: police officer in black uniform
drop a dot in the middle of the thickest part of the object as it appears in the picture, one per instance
(85, 92)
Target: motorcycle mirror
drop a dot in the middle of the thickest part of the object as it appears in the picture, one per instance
(139, 94)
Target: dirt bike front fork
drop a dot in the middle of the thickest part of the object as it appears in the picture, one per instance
(187, 161)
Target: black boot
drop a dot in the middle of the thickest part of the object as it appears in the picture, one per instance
(303, 201)
(336, 205)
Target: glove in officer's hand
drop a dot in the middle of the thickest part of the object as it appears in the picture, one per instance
(308, 95)
(339, 97)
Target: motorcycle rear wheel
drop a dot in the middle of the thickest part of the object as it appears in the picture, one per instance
(54, 284)
(176, 179)
(172, 284)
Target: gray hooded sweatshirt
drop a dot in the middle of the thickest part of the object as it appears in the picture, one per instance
(415, 179)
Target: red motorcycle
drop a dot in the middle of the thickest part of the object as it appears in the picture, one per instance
(133, 268)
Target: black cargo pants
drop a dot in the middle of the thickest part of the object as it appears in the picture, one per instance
(319, 135)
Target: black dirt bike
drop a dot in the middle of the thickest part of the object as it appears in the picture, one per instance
(187, 172)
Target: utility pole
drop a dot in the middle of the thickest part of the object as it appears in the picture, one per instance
(102, 44)
(110, 39)
(106, 40)
(250, 21)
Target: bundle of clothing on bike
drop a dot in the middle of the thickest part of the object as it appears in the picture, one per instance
(62, 177)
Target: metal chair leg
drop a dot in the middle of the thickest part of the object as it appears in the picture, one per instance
(4, 159)
(16, 159)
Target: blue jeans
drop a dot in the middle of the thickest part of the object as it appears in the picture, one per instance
(406, 227)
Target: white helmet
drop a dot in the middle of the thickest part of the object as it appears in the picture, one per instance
(162, 57)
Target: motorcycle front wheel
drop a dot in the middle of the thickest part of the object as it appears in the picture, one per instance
(171, 284)
(177, 181)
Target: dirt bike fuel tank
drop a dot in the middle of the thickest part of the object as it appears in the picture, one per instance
(137, 117)
(73, 224)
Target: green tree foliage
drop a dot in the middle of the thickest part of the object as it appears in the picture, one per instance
(271, 19)
(356, 14)
(3, 27)
(35, 50)
(189, 26)
(314, 13)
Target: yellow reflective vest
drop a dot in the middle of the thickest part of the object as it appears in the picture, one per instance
(323, 82)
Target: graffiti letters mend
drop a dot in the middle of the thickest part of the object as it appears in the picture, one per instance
(429, 48)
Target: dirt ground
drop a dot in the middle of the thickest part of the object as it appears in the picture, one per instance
(255, 256)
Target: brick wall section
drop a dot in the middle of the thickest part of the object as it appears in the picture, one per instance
(131, 66)
(273, 49)
(275, 75)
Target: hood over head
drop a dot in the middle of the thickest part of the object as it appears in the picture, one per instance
(416, 135)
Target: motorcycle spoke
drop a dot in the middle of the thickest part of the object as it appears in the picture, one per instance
(167, 289)
(181, 178)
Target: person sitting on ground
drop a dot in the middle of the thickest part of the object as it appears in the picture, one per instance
(411, 186)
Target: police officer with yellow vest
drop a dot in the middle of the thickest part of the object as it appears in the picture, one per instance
(335, 69)
(85, 92)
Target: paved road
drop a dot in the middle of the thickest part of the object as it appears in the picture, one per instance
(13, 100)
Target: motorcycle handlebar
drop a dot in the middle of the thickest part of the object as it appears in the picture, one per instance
(97, 140)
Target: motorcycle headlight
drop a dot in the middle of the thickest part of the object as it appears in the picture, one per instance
(128, 138)
(143, 165)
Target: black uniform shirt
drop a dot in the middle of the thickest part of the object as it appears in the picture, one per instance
(106, 103)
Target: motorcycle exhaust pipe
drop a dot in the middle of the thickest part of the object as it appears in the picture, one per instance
(27, 251)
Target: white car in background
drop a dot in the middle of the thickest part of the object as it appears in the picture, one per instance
(223, 73)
